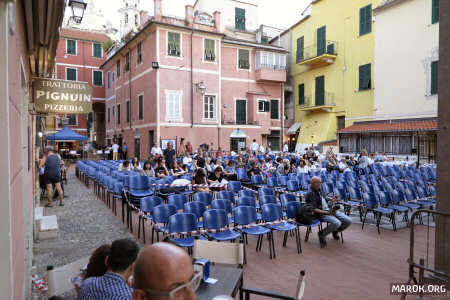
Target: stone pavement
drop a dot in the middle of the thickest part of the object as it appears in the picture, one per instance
(84, 222)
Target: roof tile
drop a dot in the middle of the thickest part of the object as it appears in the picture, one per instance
(392, 126)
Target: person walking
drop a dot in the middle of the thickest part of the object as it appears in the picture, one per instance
(124, 151)
(115, 150)
(52, 175)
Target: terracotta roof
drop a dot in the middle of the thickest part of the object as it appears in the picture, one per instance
(83, 35)
(392, 126)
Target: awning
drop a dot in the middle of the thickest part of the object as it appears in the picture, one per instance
(293, 129)
(392, 126)
(66, 134)
(238, 134)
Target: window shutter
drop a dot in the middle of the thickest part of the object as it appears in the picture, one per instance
(301, 94)
(210, 50)
(97, 50)
(98, 78)
(266, 106)
(300, 48)
(367, 80)
(365, 19)
(141, 107)
(240, 18)
(71, 74)
(71, 47)
(244, 59)
(321, 40)
(435, 11)
(434, 77)
(274, 109)
(320, 91)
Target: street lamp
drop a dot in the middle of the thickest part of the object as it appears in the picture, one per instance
(78, 7)
(202, 87)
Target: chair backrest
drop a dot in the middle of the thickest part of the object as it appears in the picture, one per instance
(292, 209)
(221, 253)
(222, 204)
(369, 201)
(432, 191)
(244, 215)
(215, 219)
(241, 174)
(409, 194)
(246, 201)
(226, 195)
(270, 212)
(285, 198)
(385, 199)
(118, 187)
(292, 185)
(162, 212)
(282, 180)
(257, 179)
(234, 186)
(267, 199)
(203, 197)
(266, 191)
(246, 193)
(149, 203)
(138, 183)
(421, 193)
(272, 182)
(395, 197)
(354, 193)
(197, 208)
(177, 200)
(182, 222)
(340, 193)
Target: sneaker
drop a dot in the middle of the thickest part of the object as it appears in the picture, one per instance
(336, 235)
(323, 242)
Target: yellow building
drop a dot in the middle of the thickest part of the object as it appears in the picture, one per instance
(332, 67)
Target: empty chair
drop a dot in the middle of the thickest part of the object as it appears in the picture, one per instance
(160, 215)
(370, 204)
(267, 199)
(292, 185)
(222, 204)
(257, 180)
(197, 208)
(147, 206)
(226, 195)
(285, 198)
(396, 205)
(177, 200)
(246, 201)
(234, 186)
(203, 197)
(217, 219)
(272, 182)
(282, 180)
(266, 191)
(246, 193)
(183, 224)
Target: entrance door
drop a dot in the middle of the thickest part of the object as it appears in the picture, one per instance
(237, 144)
(241, 111)
(137, 148)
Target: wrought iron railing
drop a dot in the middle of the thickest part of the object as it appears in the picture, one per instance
(320, 99)
(328, 47)
(237, 122)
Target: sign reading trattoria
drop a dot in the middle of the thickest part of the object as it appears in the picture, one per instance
(62, 96)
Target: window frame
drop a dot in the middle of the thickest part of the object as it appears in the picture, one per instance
(236, 21)
(93, 78)
(180, 55)
(118, 68)
(204, 51)
(369, 24)
(76, 47)
(140, 107)
(265, 108)
(75, 116)
(127, 111)
(118, 113)
(435, 10)
(76, 73)
(127, 65)
(179, 94)
(249, 59)
(214, 111)
(434, 88)
(364, 78)
(93, 50)
(278, 100)
(139, 53)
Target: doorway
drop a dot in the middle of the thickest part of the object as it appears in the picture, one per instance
(137, 148)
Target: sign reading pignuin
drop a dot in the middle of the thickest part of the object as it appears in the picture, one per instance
(62, 96)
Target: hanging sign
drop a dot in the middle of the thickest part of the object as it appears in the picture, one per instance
(62, 96)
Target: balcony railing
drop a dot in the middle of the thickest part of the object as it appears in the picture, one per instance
(316, 50)
(236, 122)
(319, 101)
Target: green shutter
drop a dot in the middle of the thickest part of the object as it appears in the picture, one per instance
(210, 50)
(118, 68)
(173, 47)
(434, 77)
(98, 78)
(321, 40)
(300, 48)
(71, 47)
(97, 50)
(240, 18)
(365, 77)
(241, 111)
(274, 109)
(320, 90)
(365, 19)
(71, 74)
(244, 59)
(435, 11)
(141, 107)
(266, 106)
(301, 94)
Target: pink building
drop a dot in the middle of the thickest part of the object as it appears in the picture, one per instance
(79, 56)
(196, 78)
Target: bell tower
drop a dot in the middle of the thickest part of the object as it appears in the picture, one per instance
(129, 17)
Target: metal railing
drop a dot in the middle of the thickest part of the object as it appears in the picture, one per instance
(329, 47)
(236, 122)
(320, 99)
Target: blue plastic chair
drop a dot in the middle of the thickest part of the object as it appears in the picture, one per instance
(160, 215)
(272, 182)
(370, 204)
(147, 206)
(197, 208)
(183, 224)
(292, 209)
(247, 193)
(272, 213)
(222, 204)
(286, 198)
(177, 200)
(226, 195)
(216, 219)
(266, 191)
(292, 185)
(246, 215)
(267, 199)
(203, 197)
(234, 186)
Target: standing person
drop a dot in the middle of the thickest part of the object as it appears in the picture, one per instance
(262, 151)
(124, 151)
(52, 175)
(285, 147)
(337, 221)
(189, 148)
(254, 147)
(156, 151)
(115, 150)
(182, 150)
(169, 155)
(86, 151)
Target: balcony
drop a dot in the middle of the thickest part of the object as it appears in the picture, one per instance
(237, 122)
(322, 101)
(270, 73)
(317, 55)
(270, 66)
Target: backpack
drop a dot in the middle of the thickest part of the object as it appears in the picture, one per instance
(305, 215)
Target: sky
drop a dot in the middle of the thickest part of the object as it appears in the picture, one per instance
(276, 13)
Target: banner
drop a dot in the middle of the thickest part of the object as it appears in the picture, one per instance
(62, 96)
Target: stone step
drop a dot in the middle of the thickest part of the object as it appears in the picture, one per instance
(48, 228)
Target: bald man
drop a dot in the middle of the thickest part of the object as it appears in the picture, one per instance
(164, 271)
(337, 221)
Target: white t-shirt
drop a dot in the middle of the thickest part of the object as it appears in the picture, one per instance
(156, 150)
(304, 170)
(187, 160)
(261, 149)
(285, 148)
(115, 148)
(254, 146)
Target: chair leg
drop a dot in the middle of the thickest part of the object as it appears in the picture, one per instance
(143, 229)
(285, 239)
(394, 226)
(131, 220)
(297, 240)
(123, 212)
(153, 233)
(308, 230)
(273, 244)
(364, 219)
(378, 222)
(360, 213)
(342, 238)
(270, 247)
(139, 227)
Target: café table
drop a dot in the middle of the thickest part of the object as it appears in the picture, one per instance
(229, 281)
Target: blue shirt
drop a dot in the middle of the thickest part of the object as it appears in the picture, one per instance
(107, 287)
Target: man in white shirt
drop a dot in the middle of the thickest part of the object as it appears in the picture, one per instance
(254, 147)
(115, 149)
(285, 147)
(262, 150)
(156, 150)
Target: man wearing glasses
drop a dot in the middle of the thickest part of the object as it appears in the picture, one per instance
(164, 271)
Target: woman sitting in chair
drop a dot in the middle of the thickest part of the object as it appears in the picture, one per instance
(200, 178)
(177, 169)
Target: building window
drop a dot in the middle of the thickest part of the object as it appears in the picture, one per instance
(173, 105)
(320, 90)
(97, 78)
(365, 77)
(274, 109)
(301, 94)
(244, 59)
(210, 50)
(263, 106)
(118, 113)
(108, 80)
(136, 20)
(71, 47)
(209, 107)
(365, 19)
(240, 18)
(435, 12)
(141, 107)
(139, 53)
(270, 60)
(73, 120)
(113, 112)
(109, 114)
(173, 44)
(126, 18)
(71, 74)
(434, 77)
(127, 107)
(127, 62)
(241, 111)
(118, 68)
(264, 40)
(300, 48)
(97, 50)
(321, 40)
(340, 122)
(112, 76)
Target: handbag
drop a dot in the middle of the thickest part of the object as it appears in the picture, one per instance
(305, 215)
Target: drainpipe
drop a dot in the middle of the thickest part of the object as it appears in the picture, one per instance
(129, 86)
(192, 79)
(282, 115)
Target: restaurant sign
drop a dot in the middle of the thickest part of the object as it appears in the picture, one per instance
(62, 96)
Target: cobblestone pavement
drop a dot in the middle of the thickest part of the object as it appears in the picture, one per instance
(84, 222)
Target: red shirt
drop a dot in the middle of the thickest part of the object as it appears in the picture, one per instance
(189, 149)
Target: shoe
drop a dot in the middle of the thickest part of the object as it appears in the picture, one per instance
(336, 235)
(48, 205)
(323, 242)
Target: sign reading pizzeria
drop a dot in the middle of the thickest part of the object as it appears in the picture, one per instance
(62, 96)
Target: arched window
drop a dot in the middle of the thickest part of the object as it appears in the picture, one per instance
(136, 20)
(126, 18)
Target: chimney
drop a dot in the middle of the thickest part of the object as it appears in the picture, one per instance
(158, 10)
(217, 21)
(189, 12)
(143, 18)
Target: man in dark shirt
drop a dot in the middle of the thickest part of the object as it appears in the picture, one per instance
(169, 155)
(51, 163)
(337, 220)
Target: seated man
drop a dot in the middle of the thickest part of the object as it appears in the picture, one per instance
(164, 271)
(337, 220)
(114, 284)
(125, 166)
